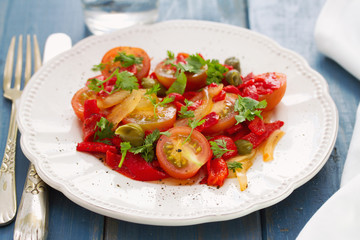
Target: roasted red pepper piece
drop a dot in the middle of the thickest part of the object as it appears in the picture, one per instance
(235, 128)
(232, 89)
(221, 96)
(177, 97)
(257, 126)
(210, 120)
(89, 127)
(95, 147)
(230, 145)
(134, 167)
(190, 95)
(256, 140)
(195, 105)
(90, 108)
(217, 172)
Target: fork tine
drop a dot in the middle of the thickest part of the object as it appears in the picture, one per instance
(18, 68)
(28, 59)
(9, 64)
(37, 54)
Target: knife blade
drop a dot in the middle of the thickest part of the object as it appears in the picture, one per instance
(32, 218)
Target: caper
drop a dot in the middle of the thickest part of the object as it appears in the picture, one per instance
(234, 62)
(233, 77)
(150, 82)
(243, 146)
(131, 133)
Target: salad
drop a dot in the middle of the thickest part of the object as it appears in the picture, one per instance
(191, 117)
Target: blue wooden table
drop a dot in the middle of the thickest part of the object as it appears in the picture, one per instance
(290, 23)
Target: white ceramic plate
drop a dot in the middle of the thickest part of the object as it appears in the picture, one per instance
(50, 129)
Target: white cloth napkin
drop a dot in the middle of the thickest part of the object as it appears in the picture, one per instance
(339, 217)
(337, 35)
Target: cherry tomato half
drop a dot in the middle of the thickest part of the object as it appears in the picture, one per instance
(139, 70)
(78, 100)
(268, 86)
(225, 109)
(143, 115)
(166, 76)
(182, 159)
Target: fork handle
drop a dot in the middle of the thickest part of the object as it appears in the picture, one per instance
(7, 174)
(32, 215)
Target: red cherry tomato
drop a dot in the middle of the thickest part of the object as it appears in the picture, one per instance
(268, 86)
(182, 159)
(139, 70)
(225, 109)
(79, 99)
(166, 75)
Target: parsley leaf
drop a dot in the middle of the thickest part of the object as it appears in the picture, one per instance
(215, 71)
(232, 166)
(127, 60)
(104, 130)
(124, 146)
(99, 67)
(124, 80)
(184, 112)
(248, 109)
(193, 123)
(179, 85)
(147, 149)
(219, 147)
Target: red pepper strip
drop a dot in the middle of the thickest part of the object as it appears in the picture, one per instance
(134, 167)
(232, 89)
(116, 141)
(235, 128)
(249, 77)
(90, 108)
(221, 96)
(217, 172)
(210, 120)
(195, 105)
(212, 85)
(228, 67)
(89, 127)
(177, 97)
(269, 128)
(178, 105)
(95, 147)
(190, 95)
(230, 145)
(250, 92)
(257, 126)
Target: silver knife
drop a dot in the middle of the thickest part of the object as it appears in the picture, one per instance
(32, 218)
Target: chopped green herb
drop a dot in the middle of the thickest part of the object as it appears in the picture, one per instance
(127, 60)
(219, 147)
(248, 109)
(232, 166)
(147, 149)
(193, 123)
(184, 112)
(104, 131)
(193, 65)
(215, 71)
(99, 67)
(124, 147)
(124, 80)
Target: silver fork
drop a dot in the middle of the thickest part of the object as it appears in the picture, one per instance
(31, 222)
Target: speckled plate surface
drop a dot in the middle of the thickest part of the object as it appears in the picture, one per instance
(50, 129)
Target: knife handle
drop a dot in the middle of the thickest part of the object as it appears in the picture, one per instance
(32, 218)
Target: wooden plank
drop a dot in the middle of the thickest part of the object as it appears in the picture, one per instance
(291, 24)
(67, 220)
